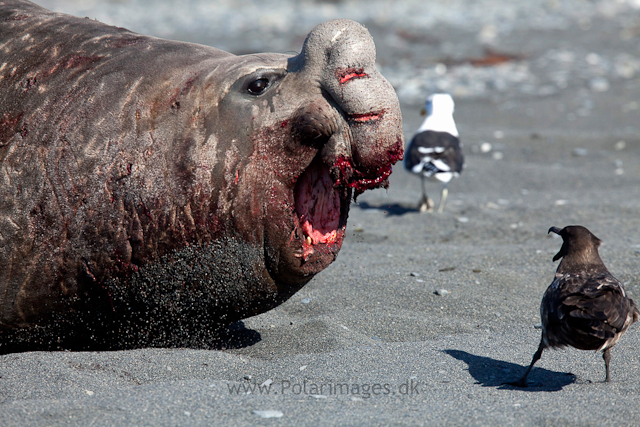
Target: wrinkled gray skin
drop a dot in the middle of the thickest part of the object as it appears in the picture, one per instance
(148, 187)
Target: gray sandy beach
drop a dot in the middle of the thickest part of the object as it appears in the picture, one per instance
(422, 317)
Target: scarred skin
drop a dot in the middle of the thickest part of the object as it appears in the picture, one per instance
(156, 181)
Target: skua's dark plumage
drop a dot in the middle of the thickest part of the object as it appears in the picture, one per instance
(585, 306)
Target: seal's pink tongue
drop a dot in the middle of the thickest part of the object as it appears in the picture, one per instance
(317, 204)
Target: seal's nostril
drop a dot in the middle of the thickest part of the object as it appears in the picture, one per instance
(314, 124)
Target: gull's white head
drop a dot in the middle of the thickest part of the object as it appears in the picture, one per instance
(439, 108)
(440, 104)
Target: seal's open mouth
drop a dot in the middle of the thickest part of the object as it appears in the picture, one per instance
(317, 204)
(312, 229)
(322, 209)
(322, 196)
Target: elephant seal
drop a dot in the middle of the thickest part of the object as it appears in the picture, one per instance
(152, 189)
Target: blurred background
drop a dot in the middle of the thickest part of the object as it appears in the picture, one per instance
(474, 49)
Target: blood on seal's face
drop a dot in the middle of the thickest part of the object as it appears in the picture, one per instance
(145, 172)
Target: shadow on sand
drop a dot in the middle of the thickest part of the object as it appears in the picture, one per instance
(495, 373)
(236, 335)
(393, 209)
(233, 336)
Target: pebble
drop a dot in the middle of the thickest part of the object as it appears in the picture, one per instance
(440, 69)
(580, 152)
(306, 300)
(414, 274)
(599, 84)
(619, 167)
(463, 219)
(268, 414)
(442, 292)
(488, 34)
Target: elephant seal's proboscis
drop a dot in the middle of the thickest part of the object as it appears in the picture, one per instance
(152, 189)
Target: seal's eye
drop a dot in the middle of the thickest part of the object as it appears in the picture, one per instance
(258, 86)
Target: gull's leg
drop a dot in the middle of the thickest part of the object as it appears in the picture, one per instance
(443, 198)
(426, 204)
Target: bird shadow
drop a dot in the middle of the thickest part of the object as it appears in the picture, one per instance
(394, 209)
(490, 372)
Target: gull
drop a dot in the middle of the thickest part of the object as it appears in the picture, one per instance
(435, 151)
